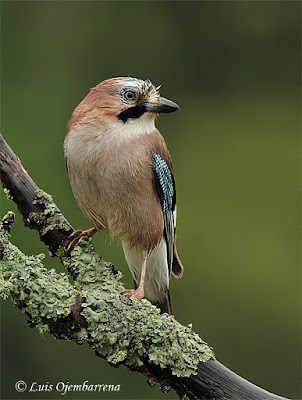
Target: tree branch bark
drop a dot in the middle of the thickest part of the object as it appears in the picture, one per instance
(90, 312)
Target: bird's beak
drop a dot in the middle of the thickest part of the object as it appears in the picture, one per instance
(164, 106)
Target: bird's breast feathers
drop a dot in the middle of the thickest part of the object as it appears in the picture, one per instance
(113, 181)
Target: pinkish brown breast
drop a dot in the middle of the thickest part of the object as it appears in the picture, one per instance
(113, 183)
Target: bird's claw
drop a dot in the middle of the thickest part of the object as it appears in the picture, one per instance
(139, 294)
(76, 236)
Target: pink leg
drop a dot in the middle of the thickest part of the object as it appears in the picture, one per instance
(76, 236)
(139, 292)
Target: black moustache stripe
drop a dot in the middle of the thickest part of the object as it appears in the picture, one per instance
(132, 112)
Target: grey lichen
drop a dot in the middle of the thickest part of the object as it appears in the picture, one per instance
(121, 330)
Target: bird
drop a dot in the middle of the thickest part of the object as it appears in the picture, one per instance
(121, 175)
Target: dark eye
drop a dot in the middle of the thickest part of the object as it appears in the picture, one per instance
(129, 95)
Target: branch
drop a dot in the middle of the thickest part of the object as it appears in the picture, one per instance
(90, 312)
(23, 191)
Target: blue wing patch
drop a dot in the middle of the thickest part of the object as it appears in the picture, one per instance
(166, 183)
(167, 195)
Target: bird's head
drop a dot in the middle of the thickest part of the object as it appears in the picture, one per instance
(122, 101)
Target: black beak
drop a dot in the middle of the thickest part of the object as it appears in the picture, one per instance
(164, 106)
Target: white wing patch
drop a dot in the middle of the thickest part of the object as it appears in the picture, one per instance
(175, 216)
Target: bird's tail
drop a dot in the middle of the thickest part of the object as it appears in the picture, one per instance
(165, 306)
(177, 267)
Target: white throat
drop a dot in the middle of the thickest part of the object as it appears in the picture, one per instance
(134, 127)
(105, 136)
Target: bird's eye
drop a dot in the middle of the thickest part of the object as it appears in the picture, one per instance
(129, 95)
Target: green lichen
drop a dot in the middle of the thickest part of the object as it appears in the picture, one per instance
(8, 194)
(45, 197)
(51, 218)
(128, 331)
(24, 281)
(131, 333)
(121, 330)
(91, 270)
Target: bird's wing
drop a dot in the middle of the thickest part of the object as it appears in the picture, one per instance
(165, 186)
(65, 158)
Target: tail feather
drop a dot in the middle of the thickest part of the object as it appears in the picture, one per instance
(165, 306)
(177, 267)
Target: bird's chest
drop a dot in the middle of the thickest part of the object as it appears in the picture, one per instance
(107, 176)
(113, 183)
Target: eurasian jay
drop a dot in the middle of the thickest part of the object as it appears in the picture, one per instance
(121, 175)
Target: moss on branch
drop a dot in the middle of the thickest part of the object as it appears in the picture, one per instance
(121, 330)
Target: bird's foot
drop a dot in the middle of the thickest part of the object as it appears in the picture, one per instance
(138, 293)
(73, 239)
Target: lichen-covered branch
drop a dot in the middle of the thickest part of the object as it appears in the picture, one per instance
(42, 294)
(128, 332)
(91, 312)
(20, 187)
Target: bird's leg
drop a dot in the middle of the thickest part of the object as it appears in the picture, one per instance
(73, 239)
(139, 292)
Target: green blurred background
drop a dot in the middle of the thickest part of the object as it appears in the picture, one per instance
(234, 69)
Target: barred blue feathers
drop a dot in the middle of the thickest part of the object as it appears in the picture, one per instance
(165, 180)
